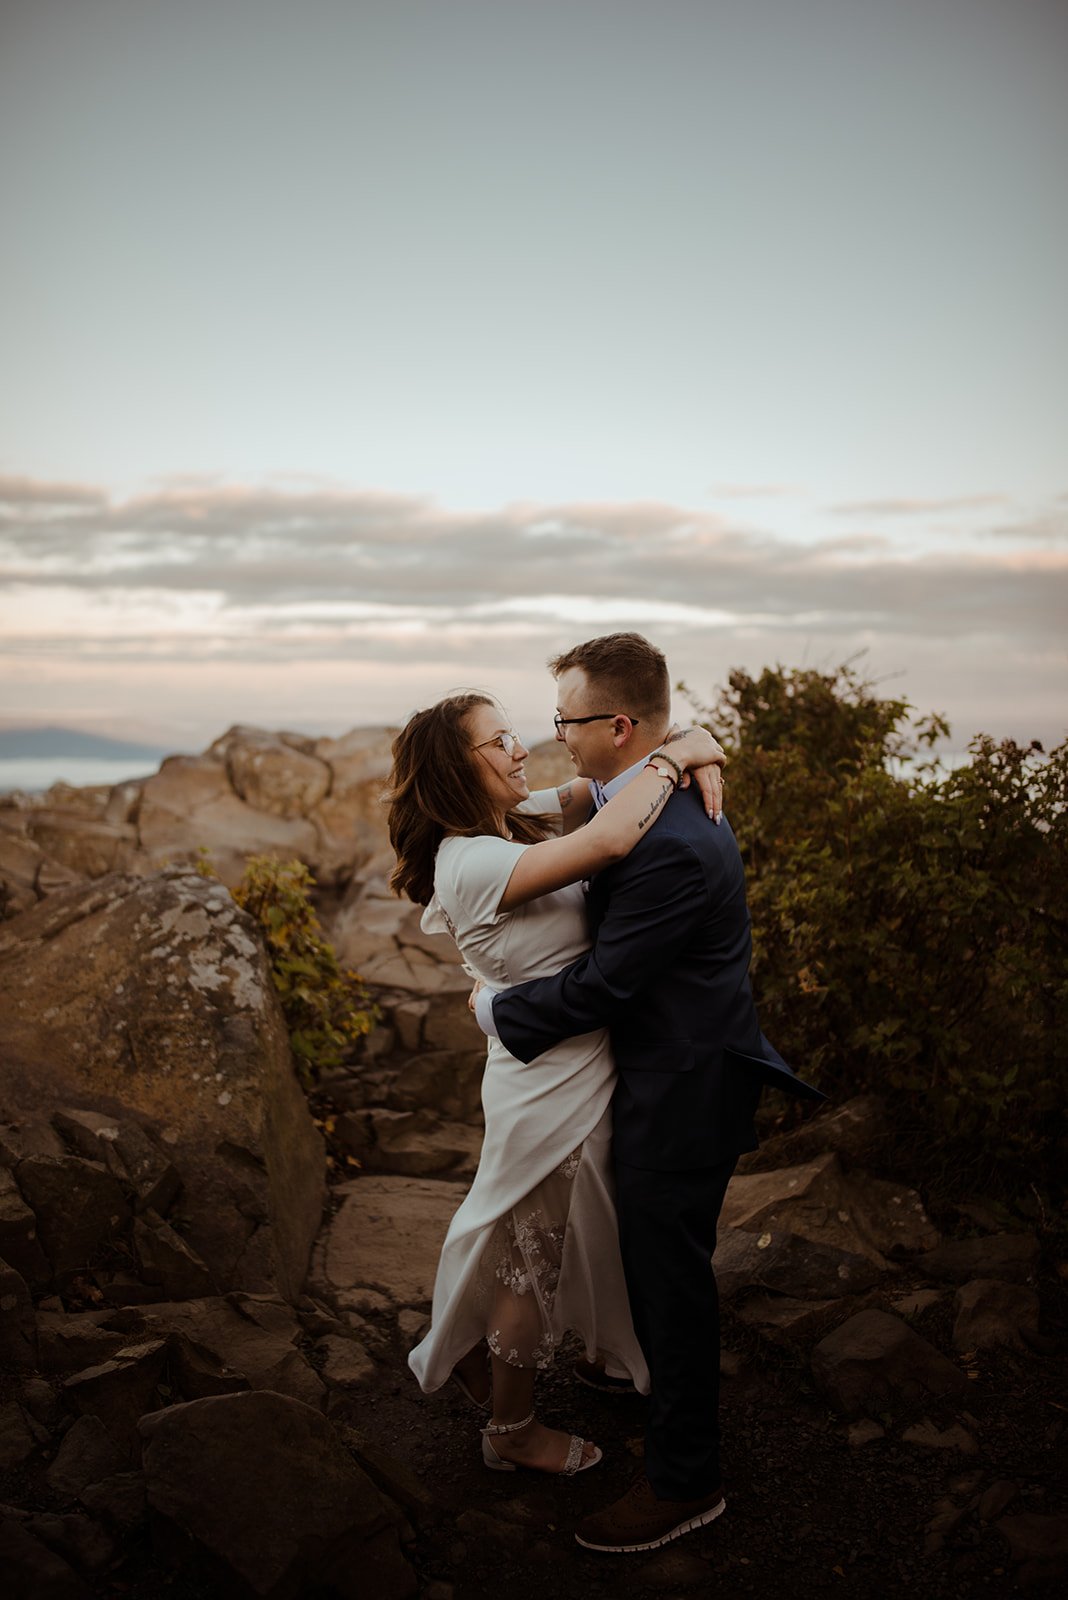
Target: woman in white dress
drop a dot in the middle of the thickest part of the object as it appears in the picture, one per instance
(533, 1251)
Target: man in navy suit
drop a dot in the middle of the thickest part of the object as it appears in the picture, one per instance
(668, 975)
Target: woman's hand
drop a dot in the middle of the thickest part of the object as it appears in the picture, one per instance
(699, 753)
(473, 995)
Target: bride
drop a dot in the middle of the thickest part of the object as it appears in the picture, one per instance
(533, 1251)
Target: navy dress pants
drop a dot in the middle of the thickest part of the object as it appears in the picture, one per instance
(667, 1230)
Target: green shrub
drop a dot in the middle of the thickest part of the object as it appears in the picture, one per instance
(326, 1009)
(909, 923)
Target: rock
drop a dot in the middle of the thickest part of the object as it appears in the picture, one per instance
(395, 1480)
(991, 1312)
(32, 1571)
(274, 777)
(121, 1390)
(448, 1081)
(87, 1454)
(17, 1442)
(29, 1137)
(866, 1431)
(781, 1317)
(408, 1018)
(417, 1144)
(78, 1205)
(916, 1303)
(931, 1438)
(197, 1372)
(1012, 1257)
(365, 1302)
(414, 971)
(874, 1360)
(18, 1325)
(1033, 1537)
(256, 1339)
(191, 1041)
(140, 1165)
(87, 847)
(75, 1537)
(190, 805)
(118, 1498)
(345, 1362)
(39, 1400)
(387, 1235)
(449, 1024)
(26, 873)
(852, 1212)
(789, 1264)
(69, 1342)
(854, 1132)
(413, 1326)
(19, 1244)
(1001, 1493)
(166, 1259)
(265, 1486)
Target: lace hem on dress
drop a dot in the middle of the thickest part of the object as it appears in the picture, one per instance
(520, 1269)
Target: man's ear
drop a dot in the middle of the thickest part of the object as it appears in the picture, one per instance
(622, 732)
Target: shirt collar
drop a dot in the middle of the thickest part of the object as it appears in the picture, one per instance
(603, 792)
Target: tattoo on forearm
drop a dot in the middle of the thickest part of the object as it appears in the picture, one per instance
(567, 794)
(666, 790)
(676, 733)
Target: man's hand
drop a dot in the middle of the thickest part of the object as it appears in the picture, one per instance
(473, 996)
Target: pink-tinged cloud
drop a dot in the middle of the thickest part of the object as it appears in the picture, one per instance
(917, 507)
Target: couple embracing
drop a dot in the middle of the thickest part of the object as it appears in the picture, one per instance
(606, 923)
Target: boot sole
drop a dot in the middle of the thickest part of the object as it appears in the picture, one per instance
(689, 1526)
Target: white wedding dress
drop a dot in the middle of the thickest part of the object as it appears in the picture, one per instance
(533, 1250)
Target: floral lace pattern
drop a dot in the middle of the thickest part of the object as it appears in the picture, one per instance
(520, 1270)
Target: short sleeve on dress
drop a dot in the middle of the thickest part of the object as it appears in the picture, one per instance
(470, 877)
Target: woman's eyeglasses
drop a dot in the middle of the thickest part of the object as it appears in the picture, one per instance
(504, 741)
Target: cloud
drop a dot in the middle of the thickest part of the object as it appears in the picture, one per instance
(257, 547)
(917, 507)
(309, 581)
(32, 493)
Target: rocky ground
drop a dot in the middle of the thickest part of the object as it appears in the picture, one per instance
(209, 1286)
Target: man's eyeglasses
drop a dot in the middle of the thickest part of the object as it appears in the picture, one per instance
(600, 716)
(504, 741)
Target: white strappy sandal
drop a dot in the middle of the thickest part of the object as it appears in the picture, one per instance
(496, 1463)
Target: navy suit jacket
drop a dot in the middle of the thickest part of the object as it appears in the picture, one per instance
(668, 974)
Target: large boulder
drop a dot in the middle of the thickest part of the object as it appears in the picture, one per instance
(190, 806)
(265, 1489)
(849, 1211)
(255, 1337)
(275, 773)
(151, 999)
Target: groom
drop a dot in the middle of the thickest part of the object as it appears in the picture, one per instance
(668, 975)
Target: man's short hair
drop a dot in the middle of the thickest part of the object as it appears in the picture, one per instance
(626, 670)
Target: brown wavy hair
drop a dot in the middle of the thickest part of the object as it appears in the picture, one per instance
(436, 789)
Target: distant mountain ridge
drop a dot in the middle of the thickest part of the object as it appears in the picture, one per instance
(49, 742)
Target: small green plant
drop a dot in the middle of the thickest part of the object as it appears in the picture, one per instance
(327, 1009)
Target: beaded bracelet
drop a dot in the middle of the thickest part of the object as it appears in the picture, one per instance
(662, 755)
(652, 765)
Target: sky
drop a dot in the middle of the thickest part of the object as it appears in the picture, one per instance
(356, 352)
